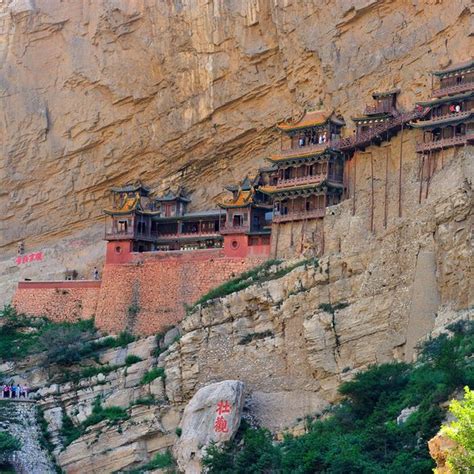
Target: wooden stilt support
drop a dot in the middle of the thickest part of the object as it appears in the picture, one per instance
(400, 175)
(371, 192)
(430, 159)
(385, 216)
(354, 186)
(421, 177)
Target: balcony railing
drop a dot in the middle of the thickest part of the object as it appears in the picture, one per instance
(456, 89)
(177, 235)
(117, 235)
(298, 216)
(377, 131)
(315, 179)
(300, 150)
(238, 229)
(383, 108)
(444, 143)
(451, 115)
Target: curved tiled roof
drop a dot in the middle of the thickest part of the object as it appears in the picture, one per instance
(311, 119)
(456, 68)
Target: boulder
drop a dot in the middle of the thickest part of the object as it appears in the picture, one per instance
(212, 415)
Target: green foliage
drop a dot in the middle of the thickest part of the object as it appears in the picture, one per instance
(8, 444)
(69, 432)
(178, 431)
(148, 401)
(361, 435)
(255, 336)
(159, 461)
(153, 374)
(259, 274)
(21, 336)
(132, 359)
(461, 459)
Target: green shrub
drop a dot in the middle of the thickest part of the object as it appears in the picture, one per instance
(69, 432)
(21, 336)
(461, 458)
(8, 444)
(153, 374)
(132, 359)
(148, 401)
(178, 431)
(160, 461)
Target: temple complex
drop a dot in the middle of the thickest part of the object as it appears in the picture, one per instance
(160, 255)
(309, 168)
(450, 120)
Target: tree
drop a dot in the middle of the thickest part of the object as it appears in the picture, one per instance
(461, 458)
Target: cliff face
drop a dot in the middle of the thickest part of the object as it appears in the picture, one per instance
(97, 93)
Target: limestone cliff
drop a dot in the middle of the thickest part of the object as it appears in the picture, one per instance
(95, 93)
(292, 340)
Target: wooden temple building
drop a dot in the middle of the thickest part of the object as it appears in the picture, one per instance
(309, 170)
(138, 223)
(450, 120)
(248, 219)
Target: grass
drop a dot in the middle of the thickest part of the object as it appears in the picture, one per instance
(361, 434)
(132, 359)
(259, 274)
(153, 374)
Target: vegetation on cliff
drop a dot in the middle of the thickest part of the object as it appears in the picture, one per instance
(362, 434)
(267, 271)
(461, 458)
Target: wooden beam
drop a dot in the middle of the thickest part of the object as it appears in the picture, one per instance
(400, 175)
(372, 192)
(421, 178)
(387, 152)
(354, 187)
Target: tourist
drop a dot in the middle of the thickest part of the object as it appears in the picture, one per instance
(13, 391)
(96, 273)
(5, 391)
(25, 391)
(18, 390)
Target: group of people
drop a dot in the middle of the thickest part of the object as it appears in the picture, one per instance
(14, 391)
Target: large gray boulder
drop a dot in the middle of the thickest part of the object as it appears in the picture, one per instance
(212, 415)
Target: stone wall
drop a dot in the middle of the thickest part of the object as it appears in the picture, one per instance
(144, 296)
(150, 293)
(60, 300)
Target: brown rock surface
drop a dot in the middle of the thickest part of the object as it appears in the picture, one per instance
(96, 93)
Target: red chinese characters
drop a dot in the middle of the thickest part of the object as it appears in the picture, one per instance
(221, 423)
(31, 257)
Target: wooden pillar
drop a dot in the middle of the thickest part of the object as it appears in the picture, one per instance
(429, 174)
(421, 177)
(386, 187)
(354, 187)
(371, 192)
(400, 163)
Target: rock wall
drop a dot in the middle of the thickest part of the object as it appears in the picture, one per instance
(150, 294)
(93, 94)
(60, 301)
